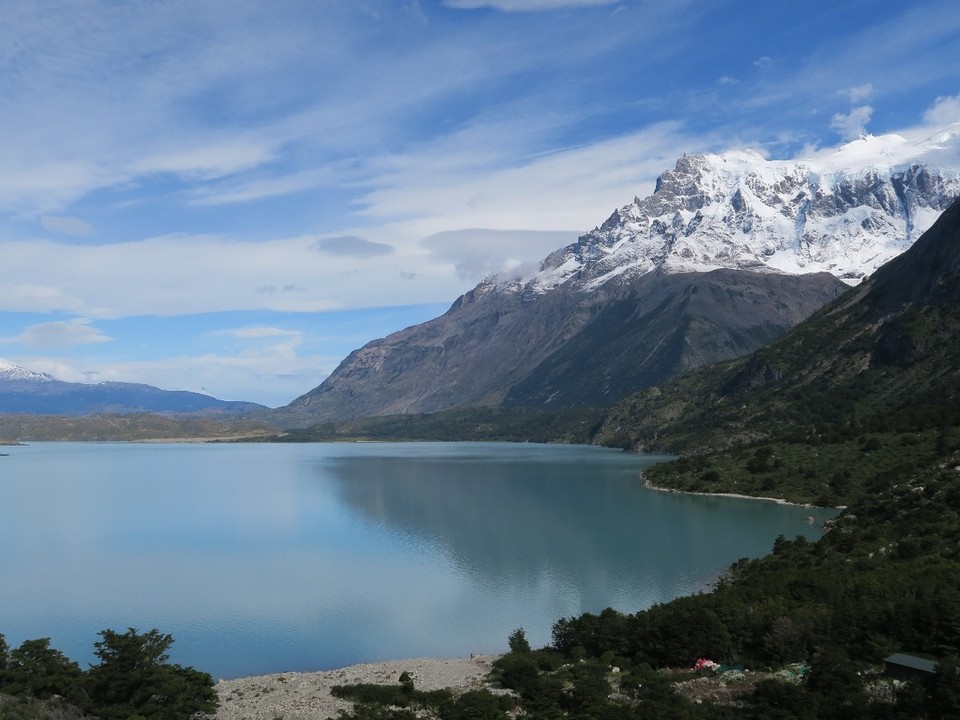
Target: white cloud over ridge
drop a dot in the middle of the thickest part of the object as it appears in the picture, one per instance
(853, 124)
(479, 253)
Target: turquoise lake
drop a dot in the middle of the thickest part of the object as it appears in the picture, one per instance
(269, 558)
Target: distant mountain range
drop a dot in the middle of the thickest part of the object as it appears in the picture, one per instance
(24, 391)
(726, 254)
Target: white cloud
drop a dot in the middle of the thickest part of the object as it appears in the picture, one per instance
(184, 274)
(860, 93)
(262, 332)
(210, 160)
(574, 189)
(66, 225)
(944, 111)
(432, 189)
(246, 190)
(34, 297)
(478, 253)
(853, 124)
(58, 335)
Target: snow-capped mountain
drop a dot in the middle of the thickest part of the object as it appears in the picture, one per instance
(845, 212)
(727, 253)
(24, 391)
(11, 372)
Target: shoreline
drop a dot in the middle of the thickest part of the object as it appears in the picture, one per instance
(740, 496)
(306, 695)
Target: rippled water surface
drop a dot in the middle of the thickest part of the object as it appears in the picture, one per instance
(263, 558)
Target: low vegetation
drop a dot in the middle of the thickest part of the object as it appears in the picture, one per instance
(127, 427)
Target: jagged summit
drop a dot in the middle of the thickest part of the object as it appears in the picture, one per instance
(846, 212)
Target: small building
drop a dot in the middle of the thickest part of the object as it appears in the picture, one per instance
(908, 667)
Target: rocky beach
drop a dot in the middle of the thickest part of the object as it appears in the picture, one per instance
(306, 696)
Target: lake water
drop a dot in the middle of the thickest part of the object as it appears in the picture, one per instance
(268, 558)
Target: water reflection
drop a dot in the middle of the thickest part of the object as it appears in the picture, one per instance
(269, 558)
(561, 518)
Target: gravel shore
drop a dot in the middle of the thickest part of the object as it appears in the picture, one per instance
(306, 696)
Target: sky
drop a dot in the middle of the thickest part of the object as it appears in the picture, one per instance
(228, 196)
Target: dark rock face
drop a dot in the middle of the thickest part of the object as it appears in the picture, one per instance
(925, 274)
(566, 348)
(667, 324)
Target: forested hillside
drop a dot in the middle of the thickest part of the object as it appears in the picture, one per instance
(857, 406)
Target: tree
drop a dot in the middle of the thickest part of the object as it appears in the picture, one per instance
(518, 641)
(943, 690)
(4, 654)
(40, 671)
(134, 678)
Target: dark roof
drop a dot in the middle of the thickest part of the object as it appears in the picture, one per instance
(911, 661)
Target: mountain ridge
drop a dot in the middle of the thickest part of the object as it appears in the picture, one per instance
(528, 339)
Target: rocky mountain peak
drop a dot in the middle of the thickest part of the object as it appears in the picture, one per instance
(845, 212)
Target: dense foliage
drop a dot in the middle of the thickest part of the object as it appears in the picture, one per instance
(133, 679)
(885, 579)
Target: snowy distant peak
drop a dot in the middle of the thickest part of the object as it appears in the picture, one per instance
(9, 371)
(845, 211)
(893, 151)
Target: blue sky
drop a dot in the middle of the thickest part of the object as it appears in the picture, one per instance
(228, 196)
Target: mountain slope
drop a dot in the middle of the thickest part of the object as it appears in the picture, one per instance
(693, 274)
(494, 348)
(882, 356)
(667, 324)
(23, 391)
